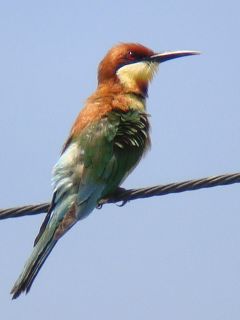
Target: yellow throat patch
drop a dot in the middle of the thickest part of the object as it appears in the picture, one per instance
(131, 74)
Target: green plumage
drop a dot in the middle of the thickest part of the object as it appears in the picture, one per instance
(92, 165)
(113, 146)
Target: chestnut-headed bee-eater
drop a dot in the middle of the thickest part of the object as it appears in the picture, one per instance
(106, 142)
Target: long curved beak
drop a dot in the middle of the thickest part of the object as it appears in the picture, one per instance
(164, 56)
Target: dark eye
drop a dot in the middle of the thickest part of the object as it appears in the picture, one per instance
(131, 55)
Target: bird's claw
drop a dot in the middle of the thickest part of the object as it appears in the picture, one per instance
(111, 198)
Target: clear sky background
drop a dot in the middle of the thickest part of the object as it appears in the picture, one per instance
(172, 257)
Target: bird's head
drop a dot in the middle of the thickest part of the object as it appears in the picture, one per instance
(133, 65)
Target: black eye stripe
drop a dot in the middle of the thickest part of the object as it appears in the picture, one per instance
(134, 56)
(129, 58)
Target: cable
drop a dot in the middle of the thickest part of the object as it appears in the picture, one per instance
(124, 196)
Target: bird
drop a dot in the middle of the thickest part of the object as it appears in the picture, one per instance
(106, 142)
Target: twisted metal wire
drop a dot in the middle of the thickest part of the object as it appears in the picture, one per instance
(124, 196)
(24, 211)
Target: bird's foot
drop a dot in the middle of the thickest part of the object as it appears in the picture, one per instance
(113, 198)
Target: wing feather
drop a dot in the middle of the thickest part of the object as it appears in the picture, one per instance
(96, 161)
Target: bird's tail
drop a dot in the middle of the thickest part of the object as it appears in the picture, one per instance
(34, 263)
(55, 225)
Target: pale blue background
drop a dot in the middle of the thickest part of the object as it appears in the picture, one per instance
(174, 257)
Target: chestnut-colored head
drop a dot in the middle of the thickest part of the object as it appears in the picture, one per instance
(133, 65)
(126, 63)
(119, 56)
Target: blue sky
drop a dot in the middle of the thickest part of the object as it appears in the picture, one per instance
(174, 257)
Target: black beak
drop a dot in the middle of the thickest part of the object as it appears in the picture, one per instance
(164, 56)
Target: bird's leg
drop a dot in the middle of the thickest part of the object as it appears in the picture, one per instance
(110, 197)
